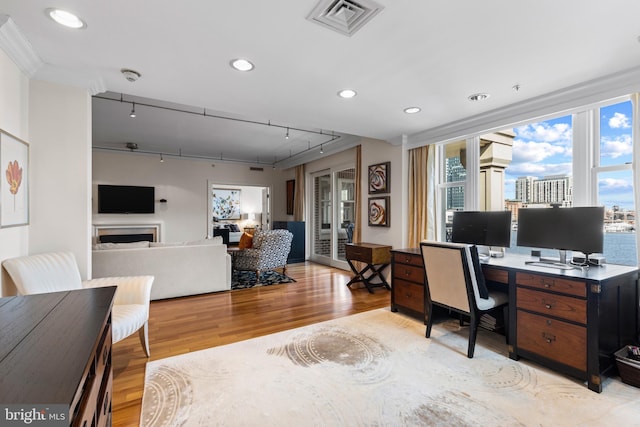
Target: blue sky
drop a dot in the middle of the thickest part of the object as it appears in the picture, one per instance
(545, 148)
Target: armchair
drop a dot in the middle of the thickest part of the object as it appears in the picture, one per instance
(452, 276)
(58, 271)
(270, 251)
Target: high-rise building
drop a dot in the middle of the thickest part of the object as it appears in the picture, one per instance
(556, 189)
(524, 188)
(455, 171)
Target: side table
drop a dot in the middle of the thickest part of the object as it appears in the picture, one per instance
(377, 257)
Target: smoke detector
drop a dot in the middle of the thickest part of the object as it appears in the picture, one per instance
(130, 75)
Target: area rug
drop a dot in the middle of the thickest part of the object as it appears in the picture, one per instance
(373, 369)
(247, 279)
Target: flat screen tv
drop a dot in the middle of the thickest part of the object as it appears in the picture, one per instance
(564, 229)
(126, 199)
(485, 228)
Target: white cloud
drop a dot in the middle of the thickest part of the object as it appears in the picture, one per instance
(619, 120)
(531, 151)
(615, 185)
(558, 133)
(616, 147)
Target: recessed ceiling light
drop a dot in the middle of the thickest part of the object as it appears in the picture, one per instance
(412, 110)
(65, 18)
(347, 93)
(242, 64)
(478, 97)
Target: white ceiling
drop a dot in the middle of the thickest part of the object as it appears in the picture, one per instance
(413, 53)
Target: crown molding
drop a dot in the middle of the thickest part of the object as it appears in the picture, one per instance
(561, 101)
(18, 48)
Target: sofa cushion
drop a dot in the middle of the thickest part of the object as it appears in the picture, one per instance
(246, 241)
(132, 245)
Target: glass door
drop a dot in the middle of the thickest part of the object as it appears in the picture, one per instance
(321, 218)
(333, 215)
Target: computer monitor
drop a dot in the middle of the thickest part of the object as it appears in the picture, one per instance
(482, 228)
(575, 229)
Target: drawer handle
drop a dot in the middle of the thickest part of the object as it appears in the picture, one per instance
(105, 354)
(408, 295)
(105, 405)
(407, 273)
(549, 306)
(548, 283)
(548, 337)
(407, 259)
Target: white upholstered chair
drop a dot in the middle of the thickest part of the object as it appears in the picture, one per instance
(58, 271)
(452, 276)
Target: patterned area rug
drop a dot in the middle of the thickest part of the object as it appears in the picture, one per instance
(247, 279)
(373, 368)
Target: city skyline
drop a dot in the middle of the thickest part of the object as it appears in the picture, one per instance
(545, 149)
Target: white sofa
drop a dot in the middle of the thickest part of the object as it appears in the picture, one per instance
(189, 268)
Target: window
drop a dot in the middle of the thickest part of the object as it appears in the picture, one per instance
(580, 159)
(614, 178)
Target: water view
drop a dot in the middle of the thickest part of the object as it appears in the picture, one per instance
(619, 248)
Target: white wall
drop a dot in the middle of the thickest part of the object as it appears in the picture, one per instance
(60, 136)
(55, 121)
(14, 103)
(183, 182)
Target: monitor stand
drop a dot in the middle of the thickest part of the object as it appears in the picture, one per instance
(560, 263)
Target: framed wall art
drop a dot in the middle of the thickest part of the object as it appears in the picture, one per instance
(379, 178)
(14, 187)
(291, 186)
(225, 203)
(379, 211)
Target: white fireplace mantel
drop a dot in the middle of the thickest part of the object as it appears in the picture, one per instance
(110, 228)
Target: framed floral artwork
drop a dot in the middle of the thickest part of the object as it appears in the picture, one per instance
(14, 189)
(225, 203)
(379, 211)
(379, 178)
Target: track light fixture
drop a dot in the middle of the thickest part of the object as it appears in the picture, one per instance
(161, 158)
(321, 150)
(132, 114)
(287, 135)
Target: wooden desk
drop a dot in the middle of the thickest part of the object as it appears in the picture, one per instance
(572, 321)
(55, 349)
(377, 257)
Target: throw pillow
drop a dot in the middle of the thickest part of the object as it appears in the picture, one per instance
(234, 227)
(482, 285)
(246, 241)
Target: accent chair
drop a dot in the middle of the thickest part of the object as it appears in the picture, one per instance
(269, 251)
(58, 271)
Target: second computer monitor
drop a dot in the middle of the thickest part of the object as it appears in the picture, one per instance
(485, 228)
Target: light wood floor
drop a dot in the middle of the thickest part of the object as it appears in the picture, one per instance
(182, 325)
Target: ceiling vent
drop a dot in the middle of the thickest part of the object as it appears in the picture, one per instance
(344, 16)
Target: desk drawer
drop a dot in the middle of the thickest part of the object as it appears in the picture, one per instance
(555, 284)
(406, 258)
(408, 272)
(496, 275)
(553, 339)
(409, 295)
(377, 254)
(549, 304)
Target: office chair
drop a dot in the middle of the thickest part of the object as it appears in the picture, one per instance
(452, 283)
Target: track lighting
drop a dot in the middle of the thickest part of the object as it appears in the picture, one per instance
(132, 114)
(161, 159)
(321, 150)
(287, 135)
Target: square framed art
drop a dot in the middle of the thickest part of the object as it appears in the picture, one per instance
(378, 213)
(379, 178)
(14, 189)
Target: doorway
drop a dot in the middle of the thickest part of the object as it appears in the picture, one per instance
(332, 215)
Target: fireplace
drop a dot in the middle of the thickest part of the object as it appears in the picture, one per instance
(126, 233)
